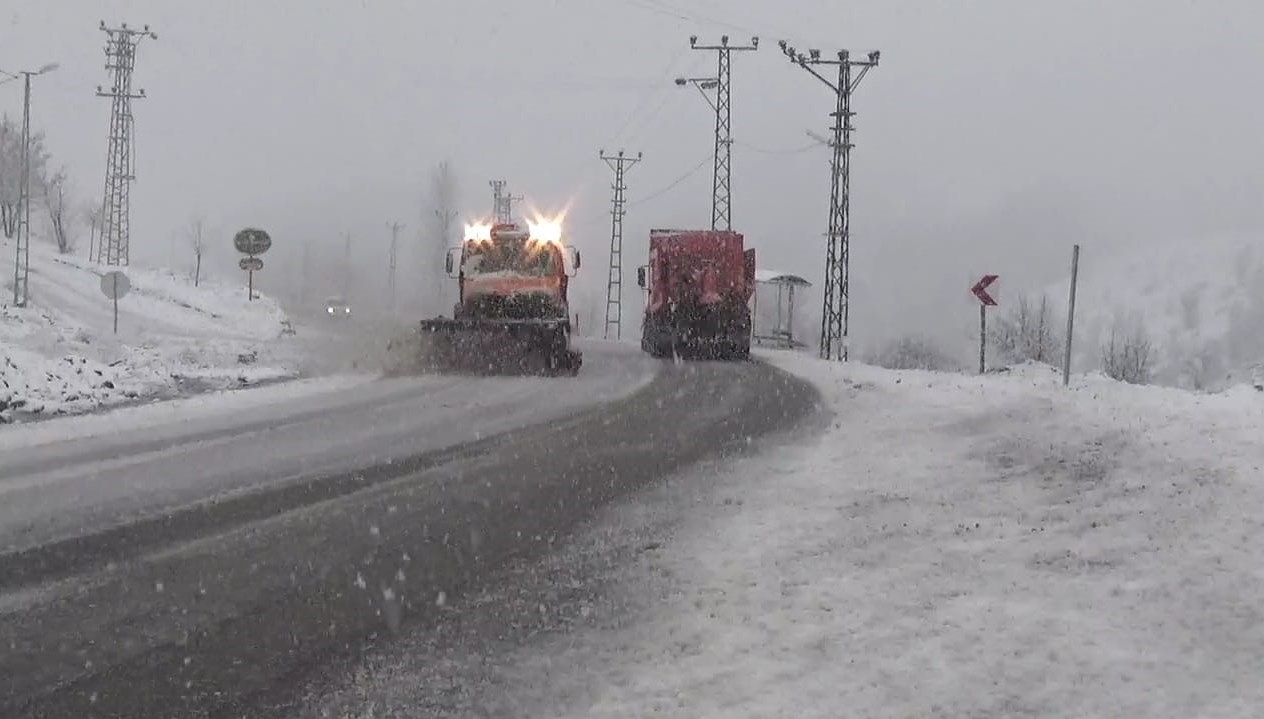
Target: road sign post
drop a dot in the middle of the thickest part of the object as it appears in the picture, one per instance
(1066, 358)
(980, 290)
(114, 285)
(251, 242)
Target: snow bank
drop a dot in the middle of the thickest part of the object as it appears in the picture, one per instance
(945, 545)
(60, 355)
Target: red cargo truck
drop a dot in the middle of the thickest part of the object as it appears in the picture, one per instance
(700, 284)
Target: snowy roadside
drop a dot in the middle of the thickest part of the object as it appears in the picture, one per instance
(947, 546)
(60, 355)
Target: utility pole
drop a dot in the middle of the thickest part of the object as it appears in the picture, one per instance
(120, 52)
(614, 281)
(390, 278)
(835, 312)
(22, 263)
(1070, 330)
(502, 202)
(22, 258)
(346, 268)
(305, 280)
(721, 199)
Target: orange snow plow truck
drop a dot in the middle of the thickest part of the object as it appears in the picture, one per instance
(700, 283)
(512, 315)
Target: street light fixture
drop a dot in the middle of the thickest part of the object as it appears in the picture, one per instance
(703, 84)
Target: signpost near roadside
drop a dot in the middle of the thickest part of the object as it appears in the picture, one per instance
(980, 290)
(114, 284)
(251, 242)
(1066, 357)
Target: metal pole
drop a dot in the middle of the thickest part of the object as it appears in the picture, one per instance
(982, 338)
(20, 267)
(1066, 359)
(619, 163)
(115, 294)
(250, 285)
(836, 305)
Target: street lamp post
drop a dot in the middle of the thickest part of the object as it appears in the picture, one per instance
(22, 258)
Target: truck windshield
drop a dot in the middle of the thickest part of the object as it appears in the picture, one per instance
(512, 256)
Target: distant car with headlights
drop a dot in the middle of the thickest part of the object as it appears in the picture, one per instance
(336, 307)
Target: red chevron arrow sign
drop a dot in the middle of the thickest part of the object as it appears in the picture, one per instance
(980, 290)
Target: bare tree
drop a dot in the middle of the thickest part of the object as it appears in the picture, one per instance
(1028, 333)
(58, 219)
(11, 171)
(197, 240)
(1127, 356)
(90, 212)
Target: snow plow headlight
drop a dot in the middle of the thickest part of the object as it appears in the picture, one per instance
(478, 232)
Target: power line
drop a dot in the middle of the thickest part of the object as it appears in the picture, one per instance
(772, 151)
(659, 87)
(674, 183)
(836, 309)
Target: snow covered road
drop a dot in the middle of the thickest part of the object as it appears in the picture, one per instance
(946, 546)
(131, 589)
(113, 469)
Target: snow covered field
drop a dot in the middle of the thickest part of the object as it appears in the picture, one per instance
(59, 355)
(944, 546)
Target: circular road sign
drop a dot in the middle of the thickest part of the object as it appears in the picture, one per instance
(251, 241)
(115, 284)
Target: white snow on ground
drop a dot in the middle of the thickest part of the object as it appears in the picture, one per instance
(59, 354)
(947, 546)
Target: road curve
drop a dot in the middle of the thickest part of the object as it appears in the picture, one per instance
(204, 609)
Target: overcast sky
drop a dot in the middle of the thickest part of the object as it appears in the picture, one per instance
(993, 136)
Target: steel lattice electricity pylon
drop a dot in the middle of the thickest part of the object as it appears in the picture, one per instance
(502, 202)
(721, 189)
(614, 281)
(120, 53)
(835, 310)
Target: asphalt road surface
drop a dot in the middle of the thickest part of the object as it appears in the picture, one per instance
(196, 570)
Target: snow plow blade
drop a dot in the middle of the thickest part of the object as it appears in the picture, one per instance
(504, 347)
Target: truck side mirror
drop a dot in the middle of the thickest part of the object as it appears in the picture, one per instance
(640, 277)
(574, 253)
(449, 263)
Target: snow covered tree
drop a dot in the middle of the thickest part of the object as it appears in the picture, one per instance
(60, 222)
(1027, 333)
(912, 353)
(1128, 355)
(11, 171)
(197, 240)
(90, 213)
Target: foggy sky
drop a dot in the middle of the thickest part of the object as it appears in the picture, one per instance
(993, 136)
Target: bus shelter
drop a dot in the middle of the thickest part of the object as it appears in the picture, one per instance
(773, 308)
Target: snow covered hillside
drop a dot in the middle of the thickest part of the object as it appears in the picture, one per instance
(59, 355)
(940, 545)
(1200, 303)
